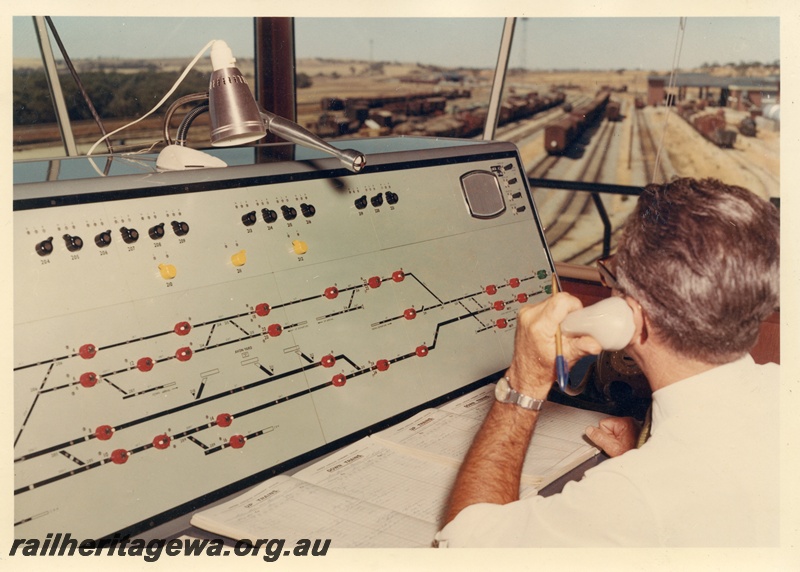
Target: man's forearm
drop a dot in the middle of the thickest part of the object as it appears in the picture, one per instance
(491, 470)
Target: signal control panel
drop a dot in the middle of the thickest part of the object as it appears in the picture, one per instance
(179, 335)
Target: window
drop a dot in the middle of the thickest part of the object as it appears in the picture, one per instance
(126, 66)
(587, 100)
(622, 122)
(395, 76)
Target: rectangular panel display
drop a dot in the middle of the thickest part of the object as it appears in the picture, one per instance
(179, 335)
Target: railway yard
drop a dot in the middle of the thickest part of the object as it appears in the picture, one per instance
(624, 152)
(626, 144)
(623, 142)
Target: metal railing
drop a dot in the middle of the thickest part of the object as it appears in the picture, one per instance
(596, 189)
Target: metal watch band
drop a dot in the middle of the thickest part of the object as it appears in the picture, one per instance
(524, 401)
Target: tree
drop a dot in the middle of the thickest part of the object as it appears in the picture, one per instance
(303, 80)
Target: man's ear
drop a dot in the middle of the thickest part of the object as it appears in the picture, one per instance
(640, 333)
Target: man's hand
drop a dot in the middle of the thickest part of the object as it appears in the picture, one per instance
(533, 369)
(491, 470)
(615, 435)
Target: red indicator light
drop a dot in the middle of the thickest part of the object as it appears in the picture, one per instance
(87, 351)
(184, 354)
(161, 441)
(182, 328)
(104, 432)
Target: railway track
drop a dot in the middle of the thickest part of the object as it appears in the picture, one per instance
(564, 213)
(577, 203)
(526, 128)
(649, 149)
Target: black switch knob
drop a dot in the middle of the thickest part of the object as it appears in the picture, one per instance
(377, 200)
(269, 215)
(289, 213)
(129, 235)
(250, 218)
(392, 198)
(157, 232)
(74, 243)
(45, 247)
(103, 239)
(180, 228)
(308, 210)
(361, 202)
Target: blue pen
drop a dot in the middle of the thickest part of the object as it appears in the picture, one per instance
(562, 369)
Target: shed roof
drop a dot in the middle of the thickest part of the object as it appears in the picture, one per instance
(706, 80)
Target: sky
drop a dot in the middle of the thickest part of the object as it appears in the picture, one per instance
(582, 43)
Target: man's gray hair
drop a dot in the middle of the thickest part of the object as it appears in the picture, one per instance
(703, 260)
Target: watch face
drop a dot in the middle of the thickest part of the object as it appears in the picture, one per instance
(502, 390)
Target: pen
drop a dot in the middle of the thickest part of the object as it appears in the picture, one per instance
(561, 365)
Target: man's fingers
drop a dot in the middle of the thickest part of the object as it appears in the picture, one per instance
(606, 441)
(585, 345)
(598, 437)
(611, 425)
(560, 305)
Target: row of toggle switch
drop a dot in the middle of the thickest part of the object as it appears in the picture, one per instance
(74, 243)
(376, 200)
(270, 215)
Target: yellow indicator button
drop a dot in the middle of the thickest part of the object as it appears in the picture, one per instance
(168, 271)
(299, 247)
(239, 258)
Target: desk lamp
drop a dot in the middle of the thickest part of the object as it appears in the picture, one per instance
(237, 119)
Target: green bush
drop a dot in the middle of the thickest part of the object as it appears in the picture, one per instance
(113, 94)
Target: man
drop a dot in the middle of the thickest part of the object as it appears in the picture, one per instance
(698, 264)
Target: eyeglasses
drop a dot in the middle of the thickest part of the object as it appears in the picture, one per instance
(607, 277)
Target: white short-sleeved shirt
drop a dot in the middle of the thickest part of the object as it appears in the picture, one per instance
(708, 476)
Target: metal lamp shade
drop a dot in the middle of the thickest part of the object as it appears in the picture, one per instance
(235, 118)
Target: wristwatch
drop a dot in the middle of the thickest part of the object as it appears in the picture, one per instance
(504, 394)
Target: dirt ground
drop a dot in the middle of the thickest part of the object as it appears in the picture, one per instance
(753, 162)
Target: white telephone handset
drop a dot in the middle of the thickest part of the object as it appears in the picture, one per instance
(610, 322)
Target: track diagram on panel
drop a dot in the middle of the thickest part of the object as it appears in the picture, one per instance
(469, 308)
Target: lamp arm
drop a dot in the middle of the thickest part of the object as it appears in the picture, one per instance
(291, 131)
(174, 107)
